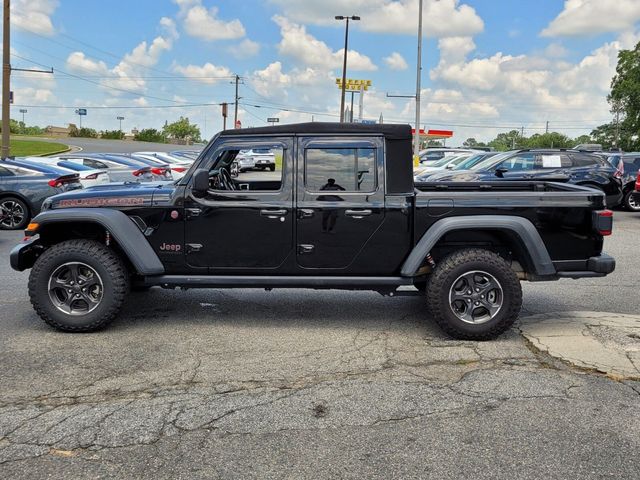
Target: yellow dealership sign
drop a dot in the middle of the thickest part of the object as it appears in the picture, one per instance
(353, 85)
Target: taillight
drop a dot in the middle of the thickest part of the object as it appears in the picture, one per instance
(60, 181)
(93, 176)
(159, 171)
(137, 173)
(603, 222)
(54, 183)
(178, 169)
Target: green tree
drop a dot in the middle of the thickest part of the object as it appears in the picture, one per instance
(583, 139)
(548, 140)
(182, 130)
(506, 141)
(150, 135)
(470, 143)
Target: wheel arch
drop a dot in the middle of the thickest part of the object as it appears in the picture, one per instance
(518, 232)
(57, 225)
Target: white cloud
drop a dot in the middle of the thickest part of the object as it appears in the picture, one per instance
(308, 50)
(590, 17)
(271, 81)
(525, 89)
(33, 95)
(395, 61)
(203, 23)
(442, 18)
(126, 75)
(207, 73)
(34, 15)
(245, 49)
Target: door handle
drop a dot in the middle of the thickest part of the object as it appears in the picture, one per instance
(357, 213)
(276, 213)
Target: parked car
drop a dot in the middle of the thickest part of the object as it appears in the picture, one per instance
(178, 166)
(120, 167)
(570, 166)
(433, 154)
(445, 163)
(190, 155)
(89, 177)
(23, 189)
(628, 164)
(357, 222)
(256, 159)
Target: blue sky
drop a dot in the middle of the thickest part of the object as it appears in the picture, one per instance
(489, 65)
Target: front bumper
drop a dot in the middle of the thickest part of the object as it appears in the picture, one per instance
(599, 266)
(24, 254)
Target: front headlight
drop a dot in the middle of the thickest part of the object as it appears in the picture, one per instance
(46, 205)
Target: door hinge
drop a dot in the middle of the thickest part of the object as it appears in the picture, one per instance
(302, 249)
(193, 247)
(192, 212)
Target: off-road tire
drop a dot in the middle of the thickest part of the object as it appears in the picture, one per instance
(272, 168)
(445, 274)
(103, 260)
(627, 202)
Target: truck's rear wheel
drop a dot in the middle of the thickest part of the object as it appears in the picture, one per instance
(78, 285)
(473, 294)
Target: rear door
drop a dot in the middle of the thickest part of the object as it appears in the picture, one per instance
(340, 200)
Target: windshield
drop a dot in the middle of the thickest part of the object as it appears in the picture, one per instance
(471, 161)
(442, 162)
(491, 161)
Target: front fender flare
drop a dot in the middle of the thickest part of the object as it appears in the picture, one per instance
(121, 228)
(521, 227)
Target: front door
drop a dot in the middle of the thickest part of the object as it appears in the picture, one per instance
(246, 223)
(340, 200)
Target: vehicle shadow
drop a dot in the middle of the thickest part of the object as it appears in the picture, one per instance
(276, 309)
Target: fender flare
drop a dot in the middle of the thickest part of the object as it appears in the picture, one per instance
(521, 227)
(120, 226)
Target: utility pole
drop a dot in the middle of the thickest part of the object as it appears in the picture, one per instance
(522, 132)
(546, 130)
(120, 118)
(6, 75)
(344, 61)
(416, 145)
(235, 112)
(617, 125)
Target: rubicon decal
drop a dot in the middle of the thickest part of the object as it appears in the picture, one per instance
(102, 202)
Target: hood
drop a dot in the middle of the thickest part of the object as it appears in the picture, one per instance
(114, 195)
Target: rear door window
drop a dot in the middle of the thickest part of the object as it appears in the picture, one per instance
(346, 169)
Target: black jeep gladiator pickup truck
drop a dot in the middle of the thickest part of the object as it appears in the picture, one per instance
(340, 210)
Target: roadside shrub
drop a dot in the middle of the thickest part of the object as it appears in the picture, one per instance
(83, 132)
(150, 135)
(113, 134)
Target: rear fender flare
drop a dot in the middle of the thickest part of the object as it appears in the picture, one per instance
(521, 227)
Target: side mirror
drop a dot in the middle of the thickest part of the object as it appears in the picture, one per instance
(500, 171)
(200, 182)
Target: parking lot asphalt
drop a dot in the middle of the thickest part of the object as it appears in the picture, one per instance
(305, 384)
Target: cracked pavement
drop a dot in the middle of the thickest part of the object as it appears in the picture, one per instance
(304, 384)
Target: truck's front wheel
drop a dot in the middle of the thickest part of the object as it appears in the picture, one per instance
(78, 285)
(474, 294)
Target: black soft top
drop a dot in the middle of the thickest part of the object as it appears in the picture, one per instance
(389, 130)
(398, 142)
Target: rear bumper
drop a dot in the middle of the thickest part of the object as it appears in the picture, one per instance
(595, 267)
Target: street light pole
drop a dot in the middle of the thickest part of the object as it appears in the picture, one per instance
(23, 111)
(120, 118)
(344, 62)
(416, 145)
(6, 74)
